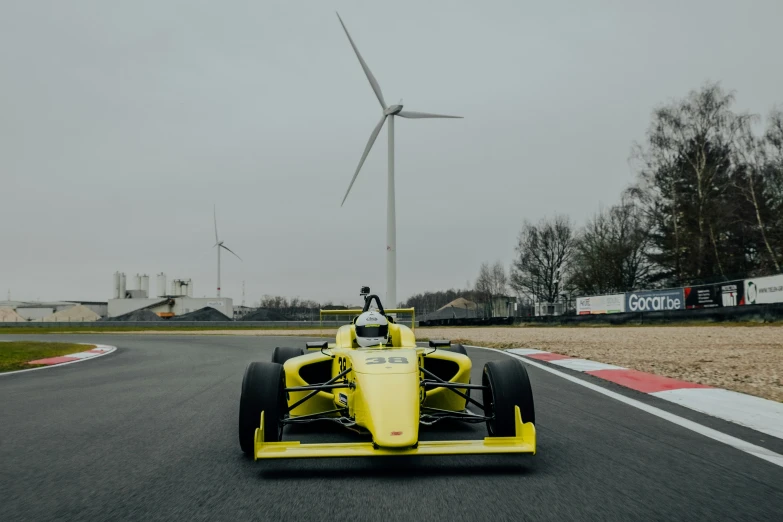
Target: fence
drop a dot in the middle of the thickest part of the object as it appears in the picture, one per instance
(727, 294)
(759, 313)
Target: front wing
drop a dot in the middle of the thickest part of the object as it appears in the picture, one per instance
(523, 441)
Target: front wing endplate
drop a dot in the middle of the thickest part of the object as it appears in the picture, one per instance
(524, 441)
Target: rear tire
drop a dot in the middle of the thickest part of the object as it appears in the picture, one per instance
(507, 386)
(263, 389)
(458, 348)
(283, 353)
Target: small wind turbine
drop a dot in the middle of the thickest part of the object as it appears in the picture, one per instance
(391, 226)
(219, 244)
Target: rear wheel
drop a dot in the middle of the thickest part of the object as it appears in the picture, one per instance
(458, 348)
(283, 353)
(263, 389)
(507, 385)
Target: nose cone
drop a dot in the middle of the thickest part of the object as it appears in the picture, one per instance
(392, 110)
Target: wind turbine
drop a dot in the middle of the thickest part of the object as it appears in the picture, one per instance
(391, 225)
(219, 244)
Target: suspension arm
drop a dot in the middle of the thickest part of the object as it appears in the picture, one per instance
(436, 384)
(315, 392)
(448, 386)
(319, 387)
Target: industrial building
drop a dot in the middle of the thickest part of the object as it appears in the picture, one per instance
(170, 301)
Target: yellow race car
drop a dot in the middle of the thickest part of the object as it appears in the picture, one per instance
(387, 390)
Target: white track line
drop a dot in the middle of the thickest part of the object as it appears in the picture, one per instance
(583, 365)
(753, 412)
(747, 447)
(109, 349)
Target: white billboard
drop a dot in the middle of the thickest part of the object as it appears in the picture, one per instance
(601, 304)
(764, 290)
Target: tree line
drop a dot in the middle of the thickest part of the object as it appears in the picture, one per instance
(706, 206)
(292, 309)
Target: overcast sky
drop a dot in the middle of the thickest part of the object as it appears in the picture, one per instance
(122, 123)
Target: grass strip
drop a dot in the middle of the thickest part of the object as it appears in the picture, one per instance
(14, 355)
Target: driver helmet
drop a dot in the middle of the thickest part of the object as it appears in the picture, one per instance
(372, 329)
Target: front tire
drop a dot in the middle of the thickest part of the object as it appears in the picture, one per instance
(263, 389)
(507, 386)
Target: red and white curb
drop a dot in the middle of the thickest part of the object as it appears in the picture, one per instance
(98, 351)
(759, 414)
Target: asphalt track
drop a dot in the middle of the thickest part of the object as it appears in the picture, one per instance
(149, 433)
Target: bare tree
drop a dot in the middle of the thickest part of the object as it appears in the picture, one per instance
(484, 285)
(611, 252)
(543, 256)
(774, 178)
(756, 158)
(686, 184)
(491, 282)
(499, 279)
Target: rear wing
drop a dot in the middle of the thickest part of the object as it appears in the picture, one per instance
(353, 312)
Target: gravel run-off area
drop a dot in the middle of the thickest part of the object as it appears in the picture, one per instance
(747, 359)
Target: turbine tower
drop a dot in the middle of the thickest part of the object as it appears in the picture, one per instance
(391, 220)
(219, 244)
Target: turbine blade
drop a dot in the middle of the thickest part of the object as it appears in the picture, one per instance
(373, 136)
(373, 82)
(224, 246)
(415, 115)
(214, 214)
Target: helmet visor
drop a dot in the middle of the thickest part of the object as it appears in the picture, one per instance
(372, 330)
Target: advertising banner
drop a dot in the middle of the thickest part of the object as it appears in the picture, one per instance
(718, 294)
(764, 290)
(655, 300)
(601, 304)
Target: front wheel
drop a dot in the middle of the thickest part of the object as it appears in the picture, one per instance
(507, 385)
(263, 389)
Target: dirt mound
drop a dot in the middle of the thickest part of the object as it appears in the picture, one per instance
(204, 314)
(9, 315)
(78, 313)
(264, 314)
(137, 315)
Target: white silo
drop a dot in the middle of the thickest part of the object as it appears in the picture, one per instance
(138, 282)
(122, 286)
(116, 294)
(190, 288)
(161, 284)
(145, 285)
(175, 287)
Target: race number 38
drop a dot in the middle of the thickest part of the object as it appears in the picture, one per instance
(384, 360)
